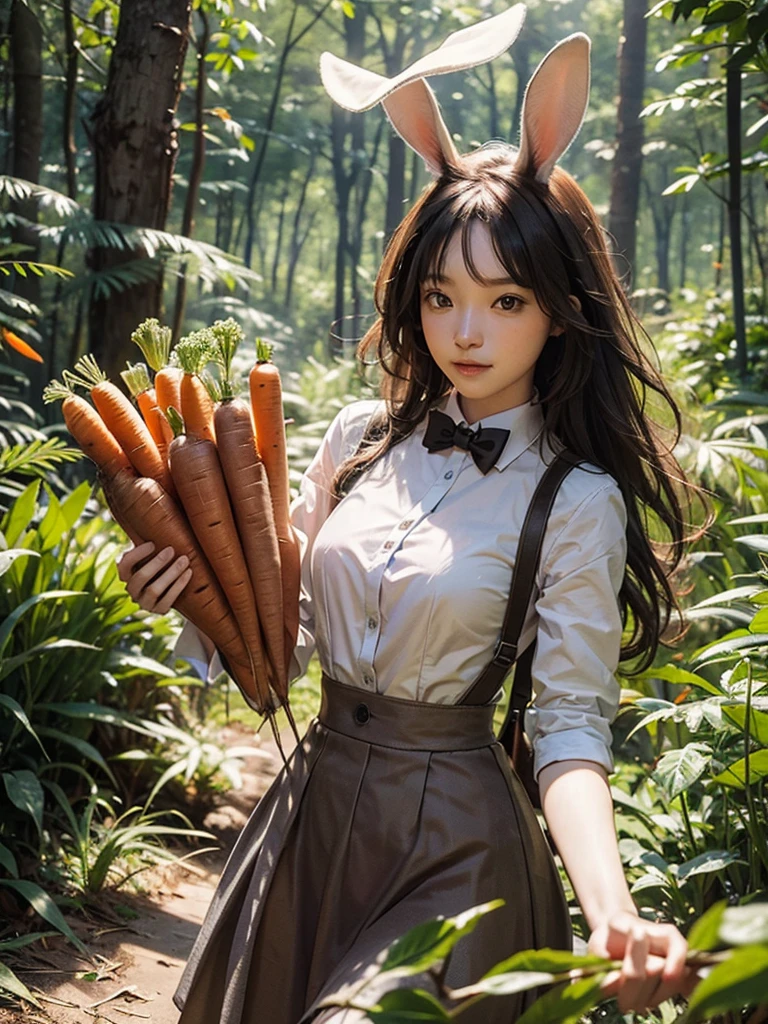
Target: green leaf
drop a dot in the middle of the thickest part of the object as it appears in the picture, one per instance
(428, 943)
(713, 860)
(404, 1006)
(728, 648)
(717, 13)
(565, 1004)
(87, 750)
(552, 960)
(8, 861)
(744, 926)
(705, 933)
(8, 665)
(132, 664)
(18, 711)
(10, 983)
(42, 903)
(680, 768)
(507, 984)
(742, 980)
(7, 558)
(672, 674)
(735, 774)
(25, 792)
(20, 514)
(11, 621)
(74, 504)
(758, 721)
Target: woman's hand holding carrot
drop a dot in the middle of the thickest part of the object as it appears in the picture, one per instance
(154, 579)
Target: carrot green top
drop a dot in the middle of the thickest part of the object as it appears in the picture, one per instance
(226, 335)
(263, 351)
(154, 342)
(195, 350)
(137, 378)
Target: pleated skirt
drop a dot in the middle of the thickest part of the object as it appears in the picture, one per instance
(389, 813)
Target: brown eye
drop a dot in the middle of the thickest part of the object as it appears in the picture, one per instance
(508, 300)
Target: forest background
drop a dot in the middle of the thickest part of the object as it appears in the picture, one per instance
(180, 159)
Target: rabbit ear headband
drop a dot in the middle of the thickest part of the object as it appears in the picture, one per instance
(554, 104)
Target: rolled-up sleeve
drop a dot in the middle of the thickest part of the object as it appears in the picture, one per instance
(578, 639)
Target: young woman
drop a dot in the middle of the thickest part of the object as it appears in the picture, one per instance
(498, 308)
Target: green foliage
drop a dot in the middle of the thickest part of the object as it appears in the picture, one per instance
(735, 946)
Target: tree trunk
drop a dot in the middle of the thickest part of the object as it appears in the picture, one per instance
(685, 217)
(343, 123)
(26, 55)
(135, 146)
(195, 172)
(733, 128)
(628, 162)
(297, 237)
(279, 239)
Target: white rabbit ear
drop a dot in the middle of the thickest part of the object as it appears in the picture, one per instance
(410, 104)
(554, 106)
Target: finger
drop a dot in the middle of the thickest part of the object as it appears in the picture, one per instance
(633, 969)
(169, 599)
(142, 576)
(129, 559)
(155, 591)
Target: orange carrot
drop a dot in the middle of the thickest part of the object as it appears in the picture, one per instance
(21, 346)
(136, 378)
(248, 489)
(200, 483)
(122, 419)
(153, 515)
(155, 344)
(267, 407)
(193, 352)
(88, 429)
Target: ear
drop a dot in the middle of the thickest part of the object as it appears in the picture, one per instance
(415, 116)
(409, 102)
(554, 106)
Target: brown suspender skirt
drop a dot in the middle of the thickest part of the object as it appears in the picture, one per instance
(390, 812)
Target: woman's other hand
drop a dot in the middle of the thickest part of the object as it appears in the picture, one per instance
(156, 584)
(653, 961)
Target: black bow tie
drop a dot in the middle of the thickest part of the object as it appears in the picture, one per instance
(485, 444)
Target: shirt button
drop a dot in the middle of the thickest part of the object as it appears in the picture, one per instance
(368, 680)
(388, 545)
(372, 623)
(449, 474)
(362, 714)
(406, 523)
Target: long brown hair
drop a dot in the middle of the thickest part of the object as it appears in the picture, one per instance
(595, 380)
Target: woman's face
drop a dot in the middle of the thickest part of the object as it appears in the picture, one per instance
(485, 338)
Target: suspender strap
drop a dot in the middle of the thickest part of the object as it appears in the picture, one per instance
(490, 680)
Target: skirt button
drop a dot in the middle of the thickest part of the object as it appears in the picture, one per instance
(362, 714)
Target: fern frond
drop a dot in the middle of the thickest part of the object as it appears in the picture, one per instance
(37, 457)
(38, 269)
(19, 189)
(20, 305)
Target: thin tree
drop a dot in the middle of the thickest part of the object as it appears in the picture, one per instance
(134, 141)
(628, 161)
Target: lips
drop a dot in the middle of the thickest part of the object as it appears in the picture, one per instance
(476, 366)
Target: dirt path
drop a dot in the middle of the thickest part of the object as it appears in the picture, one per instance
(138, 963)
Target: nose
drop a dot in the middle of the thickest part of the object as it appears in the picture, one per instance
(468, 333)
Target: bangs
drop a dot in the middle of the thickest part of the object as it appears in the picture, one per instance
(510, 224)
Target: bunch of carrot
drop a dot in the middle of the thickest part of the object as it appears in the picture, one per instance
(198, 470)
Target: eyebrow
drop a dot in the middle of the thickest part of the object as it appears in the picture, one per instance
(443, 279)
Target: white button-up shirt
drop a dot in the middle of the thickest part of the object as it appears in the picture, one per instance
(405, 580)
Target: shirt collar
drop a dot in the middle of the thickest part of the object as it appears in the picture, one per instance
(525, 424)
